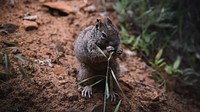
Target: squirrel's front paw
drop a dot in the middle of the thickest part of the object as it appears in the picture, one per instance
(87, 91)
(119, 51)
(110, 49)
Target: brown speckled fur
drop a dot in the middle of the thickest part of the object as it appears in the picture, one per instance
(92, 61)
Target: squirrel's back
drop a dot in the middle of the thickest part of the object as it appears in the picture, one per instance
(81, 43)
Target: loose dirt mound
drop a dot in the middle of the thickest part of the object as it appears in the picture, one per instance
(49, 42)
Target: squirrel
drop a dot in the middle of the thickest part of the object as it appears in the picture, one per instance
(92, 62)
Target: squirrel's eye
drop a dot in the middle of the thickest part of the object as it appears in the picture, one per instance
(104, 35)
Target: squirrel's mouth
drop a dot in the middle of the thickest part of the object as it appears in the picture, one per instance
(101, 46)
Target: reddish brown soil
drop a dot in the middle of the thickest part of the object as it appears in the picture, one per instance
(53, 88)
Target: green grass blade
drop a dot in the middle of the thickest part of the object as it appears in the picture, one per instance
(159, 54)
(106, 92)
(107, 89)
(7, 61)
(99, 49)
(10, 44)
(162, 64)
(18, 35)
(1, 58)
(169, 69)
(111, 82)
(85, 80)
(113, 75)
(118, 105)
(96, 83)
(151, 63)
(110, 56)
(160, 61)
(23, 71)
(177, 62)
(1, 81)
(20, 58)
(136, 43)
(104, 101)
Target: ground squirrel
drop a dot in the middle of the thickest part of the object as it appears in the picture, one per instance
(92, 62)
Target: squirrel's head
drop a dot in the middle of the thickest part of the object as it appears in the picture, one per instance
(106, 35)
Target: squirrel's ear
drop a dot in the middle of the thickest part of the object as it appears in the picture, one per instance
(108, 21)
(97, 24)
(98, 21)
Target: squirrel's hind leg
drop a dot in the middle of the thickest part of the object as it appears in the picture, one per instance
(85, 73)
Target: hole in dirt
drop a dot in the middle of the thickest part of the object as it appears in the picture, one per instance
(55, 12)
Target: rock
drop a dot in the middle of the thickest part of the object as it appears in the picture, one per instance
(123, 69)
(91, 8)
(104, 14)
(30, 25)
(61, 6)
(130, 53)
(31, 18)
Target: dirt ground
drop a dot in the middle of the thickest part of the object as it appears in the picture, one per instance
(52, 83)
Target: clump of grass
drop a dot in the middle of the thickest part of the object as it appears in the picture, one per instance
(174, 68)
(91, 78)
(188, 75)
(160, 24)
(118, 106)
(142, 43)
(7, 60)
(109, 83)
(20, 67)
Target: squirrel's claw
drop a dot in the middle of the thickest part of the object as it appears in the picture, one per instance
(119, 51)
(110, 48)
(87, 91)
(113, 96)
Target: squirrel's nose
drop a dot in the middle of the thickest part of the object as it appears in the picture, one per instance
(111, 43)
(114, 44)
